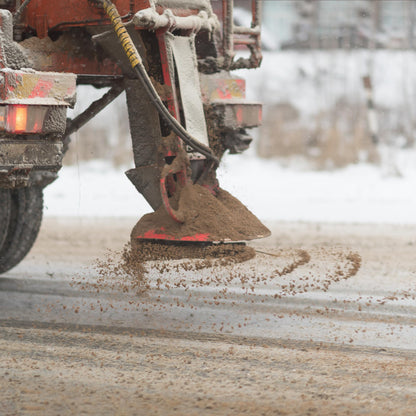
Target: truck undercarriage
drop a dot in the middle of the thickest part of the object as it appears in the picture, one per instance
(172, 58)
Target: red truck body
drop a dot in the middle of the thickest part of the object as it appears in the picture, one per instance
(48, 48)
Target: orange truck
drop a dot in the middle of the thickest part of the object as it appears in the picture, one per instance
(172, 58)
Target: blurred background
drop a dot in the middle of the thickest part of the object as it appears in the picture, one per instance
(338, 84)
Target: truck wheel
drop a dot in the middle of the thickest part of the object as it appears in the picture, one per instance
(5, 203)
(26, 206)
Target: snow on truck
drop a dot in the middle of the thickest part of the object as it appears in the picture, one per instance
(172, 58)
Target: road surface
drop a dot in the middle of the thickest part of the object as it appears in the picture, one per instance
(321, 321)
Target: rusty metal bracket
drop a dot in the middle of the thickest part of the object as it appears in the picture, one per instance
(249, 37)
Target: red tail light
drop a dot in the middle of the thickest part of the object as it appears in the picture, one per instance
(17, 118)
(22, 118)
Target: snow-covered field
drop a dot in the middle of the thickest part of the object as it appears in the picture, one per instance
(360, 193)
(314, 80)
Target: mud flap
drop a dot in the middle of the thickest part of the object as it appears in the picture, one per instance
(144, 121)
(146, 138)
(182, 57)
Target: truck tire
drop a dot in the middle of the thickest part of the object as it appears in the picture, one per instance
(5, 203)
(26, 205)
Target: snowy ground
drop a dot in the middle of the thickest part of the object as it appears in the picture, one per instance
(358, 194)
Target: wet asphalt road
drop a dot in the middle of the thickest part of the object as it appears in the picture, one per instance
(325, 299)
(325, 314)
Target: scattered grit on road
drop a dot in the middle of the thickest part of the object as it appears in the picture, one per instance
(320, 322)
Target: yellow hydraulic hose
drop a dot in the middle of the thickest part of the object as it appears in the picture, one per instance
(121, 32)
(137, 65)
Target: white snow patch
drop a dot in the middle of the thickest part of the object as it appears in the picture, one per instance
(357, 194)
(93, 189)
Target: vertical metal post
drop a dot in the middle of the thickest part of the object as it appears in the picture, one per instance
(228, 22)
(256, 11)
(249, 37)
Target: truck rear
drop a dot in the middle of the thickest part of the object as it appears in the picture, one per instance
(173, 59)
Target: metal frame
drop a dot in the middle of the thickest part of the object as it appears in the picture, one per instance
(241, 36)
